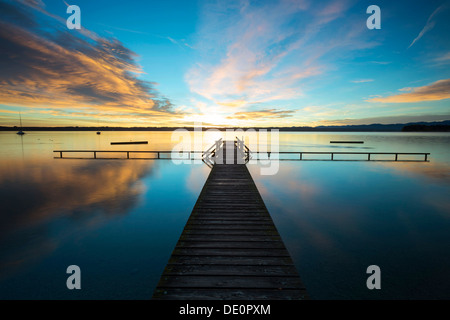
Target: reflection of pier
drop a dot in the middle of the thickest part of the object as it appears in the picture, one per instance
(230, 248)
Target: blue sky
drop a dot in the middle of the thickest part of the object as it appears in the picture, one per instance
(237, 63)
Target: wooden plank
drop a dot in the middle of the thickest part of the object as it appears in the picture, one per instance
(229, 293)
(343, 141)
(221, 222)
(236, 261)
(238, 252)
(201, 244)
(223, 281)
(130, 142)
(235, 218)
(240, 232)
(233, 227)
(243, 270)
(229, 213)
(228, 237)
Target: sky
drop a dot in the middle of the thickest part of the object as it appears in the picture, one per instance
(223, 63)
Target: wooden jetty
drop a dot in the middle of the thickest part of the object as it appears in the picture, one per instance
(230, 247)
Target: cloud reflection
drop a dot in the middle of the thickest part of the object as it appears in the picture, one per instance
(35, 196)
(434, 170)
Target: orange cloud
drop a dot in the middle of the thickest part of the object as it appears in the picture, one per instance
(256, 46)
(234, 103)
(438, 90)
(60, 69)
(269, 113)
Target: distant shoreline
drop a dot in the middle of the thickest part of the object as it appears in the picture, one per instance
(442, 126)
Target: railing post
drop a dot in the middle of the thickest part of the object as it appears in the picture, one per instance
(301, 156)
(368, 157)
(332, 155)
(217, 153)
(60, 154)
(396, 156)
(426, 157)
(128, 154)
(95, 155)
(217, 145)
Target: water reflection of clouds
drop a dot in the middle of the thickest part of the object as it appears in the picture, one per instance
(337, 218)
(194, 183)
(35, 195)
(434, 170)
(312, 146)
(23, 248)
(306, 205)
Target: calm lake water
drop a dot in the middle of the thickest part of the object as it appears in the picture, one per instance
(120, 219)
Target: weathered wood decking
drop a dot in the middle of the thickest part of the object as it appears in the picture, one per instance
(230, 248)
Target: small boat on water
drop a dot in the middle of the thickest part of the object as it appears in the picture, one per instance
(20, 132)
(98, 132)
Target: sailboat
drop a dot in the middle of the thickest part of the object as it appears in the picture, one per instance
(98, 127)
(20, 132)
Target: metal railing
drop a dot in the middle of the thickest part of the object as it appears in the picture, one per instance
(158, 154)
(333, 153)
(242, 147)
(209, 155)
